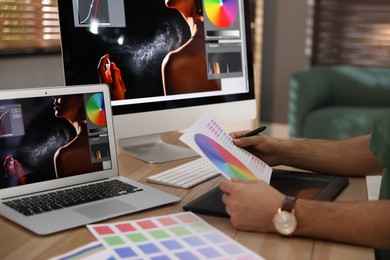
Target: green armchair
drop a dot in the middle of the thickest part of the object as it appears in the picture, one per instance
(333, 102)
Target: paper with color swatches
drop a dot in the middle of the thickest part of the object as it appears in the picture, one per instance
(90, 251)
(176, 236)
(210, 141)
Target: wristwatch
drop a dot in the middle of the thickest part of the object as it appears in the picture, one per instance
(284, 220)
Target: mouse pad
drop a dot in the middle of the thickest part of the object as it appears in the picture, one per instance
(304, 185)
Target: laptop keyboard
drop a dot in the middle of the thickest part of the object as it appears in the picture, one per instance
(40, 203)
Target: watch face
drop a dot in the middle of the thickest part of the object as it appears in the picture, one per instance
(285, 222)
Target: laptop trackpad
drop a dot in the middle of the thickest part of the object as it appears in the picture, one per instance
(104, 209)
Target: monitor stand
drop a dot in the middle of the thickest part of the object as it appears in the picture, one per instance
(152, 149)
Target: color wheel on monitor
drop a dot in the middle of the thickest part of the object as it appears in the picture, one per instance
(95, 110)
(222, 13)
(226, 162)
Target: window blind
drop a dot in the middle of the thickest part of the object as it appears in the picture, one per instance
(29, 26)
(351, 32)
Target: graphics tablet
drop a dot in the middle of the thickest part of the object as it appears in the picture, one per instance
(292, 183)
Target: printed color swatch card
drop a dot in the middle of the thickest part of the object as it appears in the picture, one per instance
(91, 251)
(210, 141)
(177, 236)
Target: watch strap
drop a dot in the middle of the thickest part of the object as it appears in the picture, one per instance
(288, 204)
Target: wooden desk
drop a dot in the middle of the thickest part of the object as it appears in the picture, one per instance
(18, 243)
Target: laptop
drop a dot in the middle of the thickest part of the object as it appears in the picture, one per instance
(60, 138)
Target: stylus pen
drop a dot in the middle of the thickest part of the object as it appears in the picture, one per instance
(255, 132)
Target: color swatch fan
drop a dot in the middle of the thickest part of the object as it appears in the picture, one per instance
(222, 13)
(95, 110)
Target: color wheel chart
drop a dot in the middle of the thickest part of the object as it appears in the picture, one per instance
(222, 13)
(210, 141)
(176, 236)
(223, 159)
(96, 110)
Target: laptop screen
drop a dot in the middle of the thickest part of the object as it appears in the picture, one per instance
(51, 137)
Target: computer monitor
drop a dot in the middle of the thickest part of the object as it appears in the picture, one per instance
(167, 62)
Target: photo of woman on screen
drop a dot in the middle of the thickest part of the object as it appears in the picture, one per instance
(183, 68)
(179, 65)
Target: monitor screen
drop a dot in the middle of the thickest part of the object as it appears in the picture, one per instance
(165, 62)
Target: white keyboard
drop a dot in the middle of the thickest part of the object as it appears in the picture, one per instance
(186, 175)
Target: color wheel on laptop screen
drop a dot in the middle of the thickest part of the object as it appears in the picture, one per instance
(95, 110)
(226, 162)
(222, 13)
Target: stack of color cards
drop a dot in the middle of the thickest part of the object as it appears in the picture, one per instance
(177, 236)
